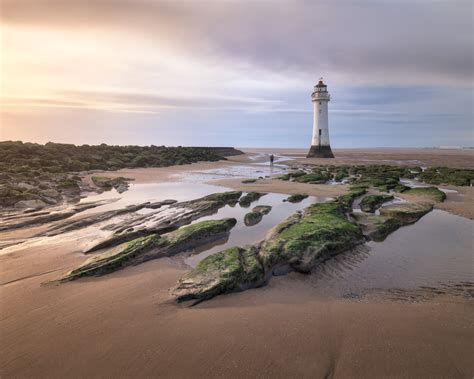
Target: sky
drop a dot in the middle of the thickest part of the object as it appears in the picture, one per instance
(237, 72)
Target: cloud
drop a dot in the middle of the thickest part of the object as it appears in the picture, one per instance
(366, 41)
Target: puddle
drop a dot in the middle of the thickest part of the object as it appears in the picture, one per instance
(141, 193)
(437, 249)
(241, 234)
(255, 170)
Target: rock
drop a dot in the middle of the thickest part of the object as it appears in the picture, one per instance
(248, 181)
(296, 198)
(377, 228)
(407, 213)
(50, 193)
(154, 246)
(159, 204)
(263, 209)
(35, 204)
(249, 198)
(430, 193)
(347, 200)
(120, 183)
(25, 186)
(252, 218)
(305, 239)
(234, 269)
(177, 215)
(371, 202)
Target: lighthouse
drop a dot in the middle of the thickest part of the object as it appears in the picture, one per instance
(320, 147)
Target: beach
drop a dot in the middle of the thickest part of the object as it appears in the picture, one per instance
(126, 324)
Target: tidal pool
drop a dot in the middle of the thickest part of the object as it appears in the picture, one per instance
(436, 250)
(242, 234)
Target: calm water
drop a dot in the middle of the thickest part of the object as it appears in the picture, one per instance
(437, 249)
(241, 234)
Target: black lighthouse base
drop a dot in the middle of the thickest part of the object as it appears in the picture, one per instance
(320, 152)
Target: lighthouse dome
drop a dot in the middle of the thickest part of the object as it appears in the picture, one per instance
(321, 84)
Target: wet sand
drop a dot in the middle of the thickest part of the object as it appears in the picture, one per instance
(460, 158)
(126, 325)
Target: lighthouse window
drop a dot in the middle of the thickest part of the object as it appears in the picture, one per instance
(319, 103)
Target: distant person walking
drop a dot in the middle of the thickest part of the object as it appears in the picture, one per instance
(272, 158)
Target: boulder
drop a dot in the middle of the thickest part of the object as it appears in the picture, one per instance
(35, 204)
(231, 270)
(372, 202)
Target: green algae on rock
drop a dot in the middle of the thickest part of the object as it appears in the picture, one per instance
(304, 239)
(447, 175)
(377, 228)
(256, 215)
(296, 198)
(154, 246)
(370, 203)
(248, 181)
(407, 213)
(231, 270)
(249, 198)
(390, 219)
(347, 199)
(430, 192)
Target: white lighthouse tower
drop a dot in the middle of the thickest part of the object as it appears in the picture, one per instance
(320, 147)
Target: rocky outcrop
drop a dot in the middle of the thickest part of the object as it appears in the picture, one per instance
(407, 213)
(249, 198)
(307, 238)
(254, 217)
(391, 218)
(429, 193)
(154, 246)
(15, 221)
(296, 198)
(234, 269)
(164, 221)
(299, 243)
(120, 183)
(372, 202)
(347, 200)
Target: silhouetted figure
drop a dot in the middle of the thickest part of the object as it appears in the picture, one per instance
(272, 158)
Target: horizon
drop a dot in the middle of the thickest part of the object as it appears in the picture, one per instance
(168, 73)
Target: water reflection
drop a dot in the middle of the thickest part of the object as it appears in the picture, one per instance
(437, 249)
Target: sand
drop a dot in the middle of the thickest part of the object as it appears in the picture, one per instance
(127, 325)
(461, 158)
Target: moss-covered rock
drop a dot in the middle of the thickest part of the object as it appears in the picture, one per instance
(375, 227)
(447, 175)
(432, 193)
(304, 239)
(231, 270)
(371, 202)
(347, 199)
(254, 217)
(229, 197)
(249, 198)
(407, 213)
(154, 246)
(248, 181)
(296, 198)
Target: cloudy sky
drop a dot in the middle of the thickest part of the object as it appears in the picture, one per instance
(236, 72)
